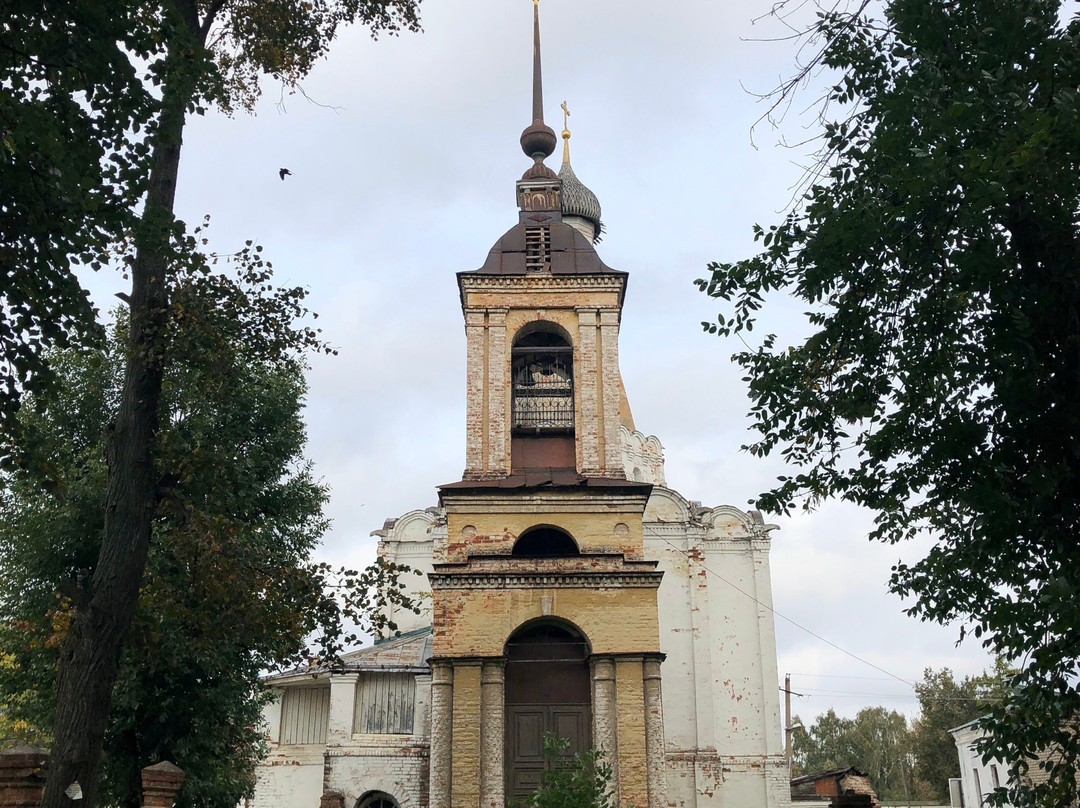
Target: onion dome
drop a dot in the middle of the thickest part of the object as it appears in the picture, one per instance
(577, 201)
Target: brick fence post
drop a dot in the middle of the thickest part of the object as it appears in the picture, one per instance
(160, 783)
(332, 799)
(22, 777)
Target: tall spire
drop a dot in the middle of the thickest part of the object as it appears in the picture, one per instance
(538, 140)
(538, 85)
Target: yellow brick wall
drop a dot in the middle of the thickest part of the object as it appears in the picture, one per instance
(495, 533)
(525, 304)
(465, 780)
(633, 769)
(471, 623)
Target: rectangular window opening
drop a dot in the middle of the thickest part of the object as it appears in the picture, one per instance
(385, 703)
(305, 715)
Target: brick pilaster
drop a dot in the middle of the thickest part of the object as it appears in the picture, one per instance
(492, 734)
(587, 384)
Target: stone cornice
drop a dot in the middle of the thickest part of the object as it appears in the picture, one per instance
(533, 500)
(566, 580)
(540, 280)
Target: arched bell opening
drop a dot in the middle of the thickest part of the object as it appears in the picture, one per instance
(547, 691)
(542, 388)
(545, 542)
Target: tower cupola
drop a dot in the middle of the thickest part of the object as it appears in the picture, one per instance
(580, 207)
(542, 323)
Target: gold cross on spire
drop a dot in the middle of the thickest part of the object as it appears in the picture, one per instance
(565, 116)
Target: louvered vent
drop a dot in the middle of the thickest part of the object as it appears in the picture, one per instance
(537, 249)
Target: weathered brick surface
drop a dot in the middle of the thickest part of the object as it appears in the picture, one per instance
(605, 713)
(492, 734)
(633, 765)
(475, 394)
(472, 533)
(587, 388)
(478, 622)
(465, 782)
(160, 784)
(654, 732)
(380, 764)
(587, 311)
(610, 437)
(22, 777)
(332, 799)
(442, 732)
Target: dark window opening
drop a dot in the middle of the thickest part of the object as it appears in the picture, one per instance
(545, 542)
(542, 377)
(537, 249)
(376, 799)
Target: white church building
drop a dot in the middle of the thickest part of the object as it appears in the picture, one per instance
(566, 588)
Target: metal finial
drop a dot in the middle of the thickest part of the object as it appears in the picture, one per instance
(565, 133)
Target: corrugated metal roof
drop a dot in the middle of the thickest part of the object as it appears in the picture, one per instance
(411, 650)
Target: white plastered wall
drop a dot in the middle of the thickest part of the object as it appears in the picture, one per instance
(720, 683)
(413, 539)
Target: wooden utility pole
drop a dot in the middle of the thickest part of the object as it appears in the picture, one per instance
(787, 720)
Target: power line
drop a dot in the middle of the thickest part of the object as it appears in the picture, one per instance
(839, 676)
(799, 626)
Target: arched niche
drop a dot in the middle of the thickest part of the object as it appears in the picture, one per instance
(545, 541)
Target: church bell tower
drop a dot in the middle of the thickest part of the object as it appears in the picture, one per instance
(544, 606)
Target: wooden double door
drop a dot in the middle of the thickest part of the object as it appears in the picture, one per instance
(547, 691)
(526, 725)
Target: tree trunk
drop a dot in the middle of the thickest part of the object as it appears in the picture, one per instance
(90, 654)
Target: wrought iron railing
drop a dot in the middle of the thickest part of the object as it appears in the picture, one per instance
(543, 412)
(543, 388)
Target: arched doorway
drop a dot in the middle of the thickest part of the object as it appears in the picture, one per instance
(547, 690)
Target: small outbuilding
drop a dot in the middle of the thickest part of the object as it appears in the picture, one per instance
(834, 787)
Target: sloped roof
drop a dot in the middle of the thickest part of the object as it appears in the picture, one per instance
(571, 254)
(410, 650)
(546, 478)
(826, 775)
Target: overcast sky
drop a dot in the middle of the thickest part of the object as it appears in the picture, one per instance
(403, 174)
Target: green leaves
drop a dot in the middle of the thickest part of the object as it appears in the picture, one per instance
(230, 590)
(573, 781)
(939, 259)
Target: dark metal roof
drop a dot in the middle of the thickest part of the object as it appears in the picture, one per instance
(546, 478)
(571, 254)
(826, 775)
